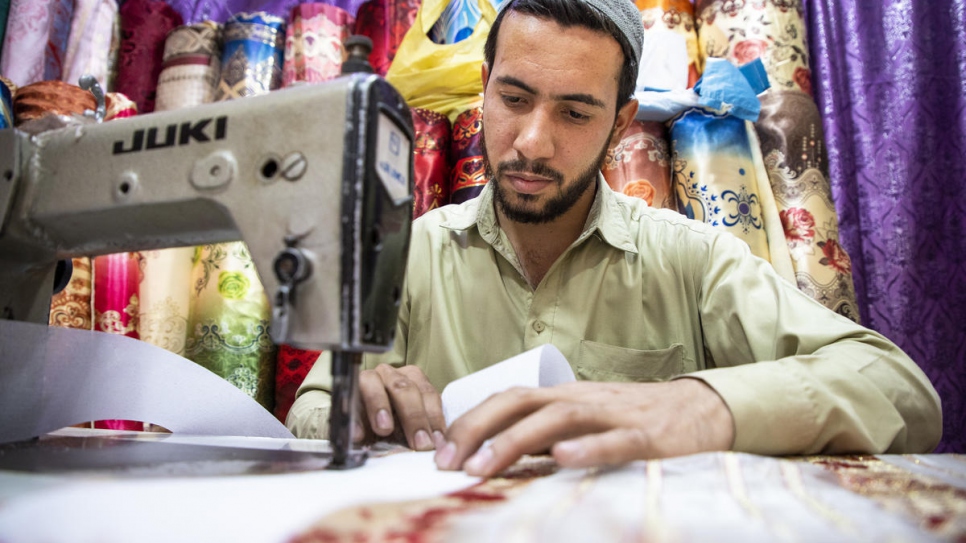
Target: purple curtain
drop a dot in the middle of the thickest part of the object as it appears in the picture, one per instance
(890, 78)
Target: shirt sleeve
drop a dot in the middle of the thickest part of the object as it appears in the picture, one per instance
(799, 378)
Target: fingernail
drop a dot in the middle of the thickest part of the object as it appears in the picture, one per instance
(444, 456)
(383, 420)
(479, 462)
(571, 453)
(422, 441)
(439, 440)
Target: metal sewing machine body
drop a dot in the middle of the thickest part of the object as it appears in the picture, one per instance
(315, 179)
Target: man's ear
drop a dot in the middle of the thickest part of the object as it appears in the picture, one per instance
(624, 118)
(484, 74)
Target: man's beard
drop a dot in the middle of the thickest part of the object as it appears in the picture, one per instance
(566, 198)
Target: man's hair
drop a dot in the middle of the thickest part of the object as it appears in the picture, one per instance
(570, 13)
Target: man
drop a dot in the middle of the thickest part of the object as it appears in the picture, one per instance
(692, 343)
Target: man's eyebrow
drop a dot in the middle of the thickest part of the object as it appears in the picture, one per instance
(575, 97)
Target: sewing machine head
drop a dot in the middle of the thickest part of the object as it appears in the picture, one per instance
(315, 179)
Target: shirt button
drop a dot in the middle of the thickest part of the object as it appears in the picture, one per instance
(539, 326)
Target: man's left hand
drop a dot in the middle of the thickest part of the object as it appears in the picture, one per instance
(587, 424)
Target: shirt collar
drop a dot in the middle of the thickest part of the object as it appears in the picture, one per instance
(608, 217)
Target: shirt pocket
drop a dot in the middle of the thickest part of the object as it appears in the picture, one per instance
(602, 362)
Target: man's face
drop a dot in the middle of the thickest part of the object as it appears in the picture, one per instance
(549, 116)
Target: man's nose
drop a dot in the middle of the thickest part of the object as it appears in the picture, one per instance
(535, 139)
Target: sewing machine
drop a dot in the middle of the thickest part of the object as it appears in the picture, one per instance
(315, 179)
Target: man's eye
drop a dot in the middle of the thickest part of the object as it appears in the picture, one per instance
(512, 100)
(577, 116)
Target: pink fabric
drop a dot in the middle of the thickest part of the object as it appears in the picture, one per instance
(144, 26)
(35, 40)
(313, 43)
(116, 279)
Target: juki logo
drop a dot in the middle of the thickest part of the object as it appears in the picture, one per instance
(174, 134)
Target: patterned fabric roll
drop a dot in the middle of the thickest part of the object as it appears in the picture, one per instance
(118, 106)
(89, 47)
(116, 302)
(228, 328)
(71, 307)
(253, 55)
(430, 160)
(469, 175)
(45, 97)
(792, 144)
(385, 22)
(640, 165)
(116, 298)
(165, 297)
(6, 105)
(192, 66)
(457, 22)
(675, 16)
(144, 26)
(313, 43)
(36, 40)
(773, 30)
(293, 365)
(715, 177)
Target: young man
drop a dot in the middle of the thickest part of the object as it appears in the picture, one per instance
(683, 341)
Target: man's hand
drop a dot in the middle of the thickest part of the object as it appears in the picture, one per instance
(589, 424)
(394, 397)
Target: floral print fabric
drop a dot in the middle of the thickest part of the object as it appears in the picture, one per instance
(772, 30)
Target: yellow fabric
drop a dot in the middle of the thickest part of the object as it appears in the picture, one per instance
(646, 294)
(444, 78)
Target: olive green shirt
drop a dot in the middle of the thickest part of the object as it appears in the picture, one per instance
(648, 295)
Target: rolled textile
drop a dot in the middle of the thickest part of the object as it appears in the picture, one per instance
(191, 68)
(469, 174)
(714, 175)
(314, 38)
(165, 291)
(6, 104)
(677, 16)
(293, 365)
(36, 40)
(50, 97)
(457, 22)
(116, 301)
(118, 106)
(251, 62)
(430, 160)
(773, 30)
(640, 165)
(71, 307)
(144, 26)
(89, 46)
(116, 295)
(792, 143)
(385, 22)
(228, 327)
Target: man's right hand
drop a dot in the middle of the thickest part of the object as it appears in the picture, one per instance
(403, 399)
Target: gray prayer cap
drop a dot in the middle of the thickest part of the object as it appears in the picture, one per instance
(622, 13)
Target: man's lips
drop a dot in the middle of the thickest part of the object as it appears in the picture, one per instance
(527, 183)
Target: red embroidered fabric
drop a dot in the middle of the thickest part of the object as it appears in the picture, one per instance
(468, 175)
(385, 22)
(144, 26)
(431, 160)
(291, 368)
